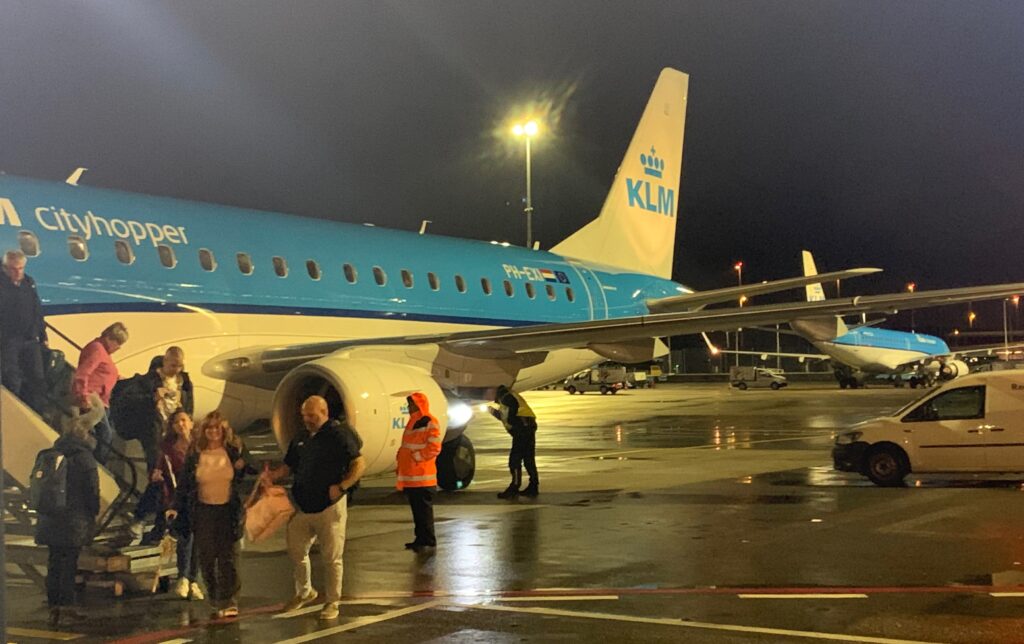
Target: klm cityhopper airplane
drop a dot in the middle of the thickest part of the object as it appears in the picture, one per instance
(271, 308)
(865, 351)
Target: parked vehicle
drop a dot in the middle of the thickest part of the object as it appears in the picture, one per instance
(607, 380)
(971, 424)
(744, 378)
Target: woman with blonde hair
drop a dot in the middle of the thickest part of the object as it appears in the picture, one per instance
(210, 503)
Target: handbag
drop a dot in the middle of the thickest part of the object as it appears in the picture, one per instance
(267, 509)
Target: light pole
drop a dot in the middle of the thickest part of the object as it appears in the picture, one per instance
(910, 287)
(738, 267)
(527, 130)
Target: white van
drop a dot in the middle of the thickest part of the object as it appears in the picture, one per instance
(971, 424)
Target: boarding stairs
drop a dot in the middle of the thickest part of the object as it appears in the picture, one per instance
(109, 561)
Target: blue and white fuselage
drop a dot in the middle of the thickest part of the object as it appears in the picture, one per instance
(875, 350)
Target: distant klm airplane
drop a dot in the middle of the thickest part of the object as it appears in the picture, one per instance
(865, 351)
(272, 308)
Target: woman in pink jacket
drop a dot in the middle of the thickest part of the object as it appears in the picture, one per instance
(96, 374)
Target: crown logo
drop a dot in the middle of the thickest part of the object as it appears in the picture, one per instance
(652, 164)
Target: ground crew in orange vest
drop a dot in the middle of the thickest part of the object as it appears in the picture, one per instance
(417, 469)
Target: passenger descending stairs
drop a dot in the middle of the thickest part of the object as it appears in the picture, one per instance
(108, 562)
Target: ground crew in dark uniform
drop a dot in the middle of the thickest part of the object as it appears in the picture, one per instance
(521, 423)
(22, 332)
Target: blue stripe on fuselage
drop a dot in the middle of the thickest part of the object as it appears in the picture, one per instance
(889, 339)
(53, 212)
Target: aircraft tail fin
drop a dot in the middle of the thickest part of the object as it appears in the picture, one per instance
(636, 229)
(816, 293)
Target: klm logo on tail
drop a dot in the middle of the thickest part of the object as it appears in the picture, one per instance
(642, 193)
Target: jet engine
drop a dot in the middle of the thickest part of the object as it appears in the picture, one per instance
(951, 369)
(370, 396)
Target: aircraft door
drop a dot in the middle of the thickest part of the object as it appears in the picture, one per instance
(592, 289)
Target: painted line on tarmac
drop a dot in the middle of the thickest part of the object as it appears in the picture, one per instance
(802, 596)
(1007, 594)
(43, 635)
(180, 640)
(363, 621)
(558, 598)
(666, 621)
(317, 607)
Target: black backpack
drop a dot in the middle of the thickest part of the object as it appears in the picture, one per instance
(131, 406)
(48, 488)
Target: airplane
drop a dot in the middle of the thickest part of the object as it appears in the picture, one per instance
(271, 308)
(864, 351)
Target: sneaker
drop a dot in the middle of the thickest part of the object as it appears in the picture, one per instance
(181, 588)
(195, 592)
(329, 611)
(137, 528)
(230, 611)
(297, 602)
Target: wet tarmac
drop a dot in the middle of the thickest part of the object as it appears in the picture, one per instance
(683, 513)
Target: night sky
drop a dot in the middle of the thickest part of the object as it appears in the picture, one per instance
(885, 134)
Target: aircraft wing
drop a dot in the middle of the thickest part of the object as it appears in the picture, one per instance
(264, 365)
(700, 299)
(716, 350)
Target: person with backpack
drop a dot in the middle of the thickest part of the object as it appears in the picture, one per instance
(96, 374)
(65, 493)
(140, 408)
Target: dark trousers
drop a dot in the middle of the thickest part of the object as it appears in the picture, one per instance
(421, 501)
(104, 433)
(217, 551)
(60, 575)
(21, 368)
(524, 452)
(150, 441)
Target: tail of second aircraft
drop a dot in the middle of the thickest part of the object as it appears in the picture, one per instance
(813, 329)
(636, 229)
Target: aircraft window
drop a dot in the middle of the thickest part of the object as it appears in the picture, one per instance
(244, 263)
(166, 254)
(956, 404)
(350, 273)
(28, 243)
(280, 267)
(206, 260)
(485, 284)
(313, 269)
(508, 288)
(551, 292)
(569, 295)
(434, 284)
(406, 278)
(529, 291)
(460, 284)
(124, 252)
(379, 276)
(78, 248)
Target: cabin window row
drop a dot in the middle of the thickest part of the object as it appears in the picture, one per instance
(78, 248)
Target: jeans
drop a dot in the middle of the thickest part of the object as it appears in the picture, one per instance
(104, 433)
(188, 563)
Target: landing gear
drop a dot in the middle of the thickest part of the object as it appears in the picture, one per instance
(456, 464)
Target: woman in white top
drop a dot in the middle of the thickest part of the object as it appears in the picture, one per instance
(209, 500)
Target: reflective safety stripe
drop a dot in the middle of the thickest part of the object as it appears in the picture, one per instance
(428, 477)
(416, 456)
(434, 439)
(414, 445)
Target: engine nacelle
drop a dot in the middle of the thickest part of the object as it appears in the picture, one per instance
(368, 394)
(953, 369)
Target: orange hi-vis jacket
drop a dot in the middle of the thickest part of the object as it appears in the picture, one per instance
(421, 443)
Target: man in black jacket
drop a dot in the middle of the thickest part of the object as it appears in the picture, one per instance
(22, 332)
(66, 532)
